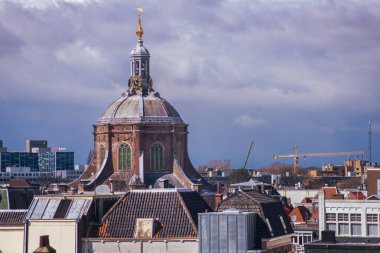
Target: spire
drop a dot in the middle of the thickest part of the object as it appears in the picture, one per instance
(140, 81)
(139, 30)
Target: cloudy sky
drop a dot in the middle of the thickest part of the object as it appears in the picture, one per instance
(281, 73)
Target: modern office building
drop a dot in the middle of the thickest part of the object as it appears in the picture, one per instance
(36, 146)
(53, 161)
(47, 161)
(2, 148)
(18, 159)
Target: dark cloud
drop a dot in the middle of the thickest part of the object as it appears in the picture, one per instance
(279, 72)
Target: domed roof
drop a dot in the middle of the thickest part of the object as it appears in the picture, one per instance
(140, 109)
(139, 50)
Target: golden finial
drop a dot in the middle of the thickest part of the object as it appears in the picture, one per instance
(139, 30)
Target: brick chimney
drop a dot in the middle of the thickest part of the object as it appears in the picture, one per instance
(112, 185)
(218, 195)
(44, 245)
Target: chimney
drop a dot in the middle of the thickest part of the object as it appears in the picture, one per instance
(197, 187)
(72, 190)
(112, 186)
(44, 245)
(218, 188)
(328, 236)
(62, 188)
(218, 194)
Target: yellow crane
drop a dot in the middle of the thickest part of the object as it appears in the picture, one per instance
(296, 155)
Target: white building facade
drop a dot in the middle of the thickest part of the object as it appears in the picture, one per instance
(355, 218)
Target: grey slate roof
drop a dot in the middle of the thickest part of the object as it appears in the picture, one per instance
(274, 221)
(12, 217)
(140, 109)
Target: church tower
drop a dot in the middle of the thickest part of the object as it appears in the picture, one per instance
(140, 139)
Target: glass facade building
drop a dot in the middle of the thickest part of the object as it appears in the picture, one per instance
(47, 161)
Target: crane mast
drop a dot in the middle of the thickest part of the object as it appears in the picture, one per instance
(296, 156)
(249, 152)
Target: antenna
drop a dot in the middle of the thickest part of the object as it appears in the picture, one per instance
(369, 142)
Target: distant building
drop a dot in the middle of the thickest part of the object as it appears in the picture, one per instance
(214, 176)
(296, 196)
(373, 181)
(18, 159)
(55, 161)
(17, 194)
(36, 146)
(2, 148)
(47, 161)
(333, 170)
(265, 177)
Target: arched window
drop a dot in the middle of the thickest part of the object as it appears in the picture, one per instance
(124, 157)
(102, 154)
(156, 158)
(137, 68)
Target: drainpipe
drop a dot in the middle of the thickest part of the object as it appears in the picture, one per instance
(26, 237)
(76, 237)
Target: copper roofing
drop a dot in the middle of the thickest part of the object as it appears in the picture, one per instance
(176, 211)
(140, 109)
(12, 217)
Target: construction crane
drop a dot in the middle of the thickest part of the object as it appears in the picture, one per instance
(296, 156)
(249, 152)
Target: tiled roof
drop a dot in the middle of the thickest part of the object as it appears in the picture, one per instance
(176, 211)
(358, 195)
(329, 192)
(306, 200)
(10, 217)
(299, 214)
(19, 183)
(274, 221)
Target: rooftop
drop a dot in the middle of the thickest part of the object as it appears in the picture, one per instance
(175, 211)
(12, 217)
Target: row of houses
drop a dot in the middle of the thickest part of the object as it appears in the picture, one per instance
(155, 220)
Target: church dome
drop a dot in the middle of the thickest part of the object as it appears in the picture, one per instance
(140, 109)
(140, 104)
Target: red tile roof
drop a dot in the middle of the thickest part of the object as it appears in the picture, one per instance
(19, 183)
(329, 192)
(356, 195)
(299, 214)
